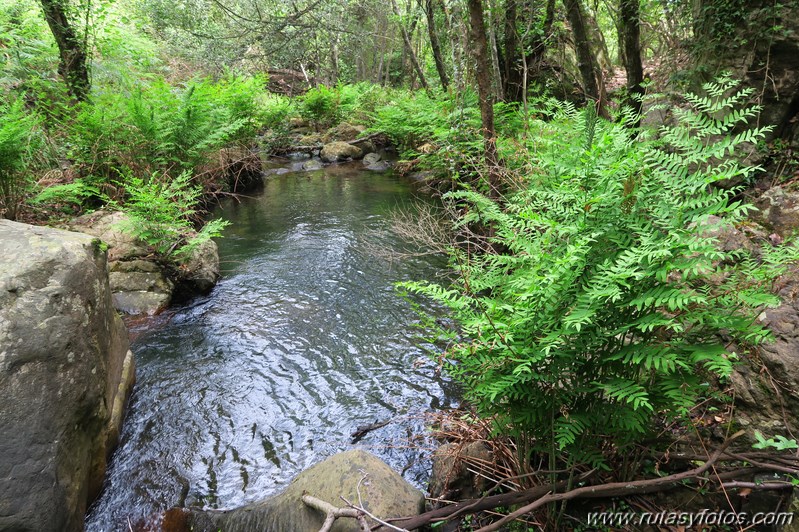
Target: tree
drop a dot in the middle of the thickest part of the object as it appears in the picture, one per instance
(435, 45)
(630, 26)
(409, 47)
(586, 62)
(72, 49)
(484, 92)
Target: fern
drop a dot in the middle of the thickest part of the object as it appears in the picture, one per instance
(605, 305)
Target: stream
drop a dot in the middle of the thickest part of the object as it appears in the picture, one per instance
(303, 339)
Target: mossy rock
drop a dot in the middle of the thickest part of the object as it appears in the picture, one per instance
(383, 492)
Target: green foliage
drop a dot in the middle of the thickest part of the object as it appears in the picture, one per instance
(18, 139)
(160, 212)
(607, 295)
(155, 126)
(779, 442)
(320, 105)
(74, 194)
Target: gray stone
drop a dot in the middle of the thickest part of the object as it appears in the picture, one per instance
(141, 302)
(344, 131)
(767, 398)
(340, 151)
(313, 164)
(379, 166)
(65, 372)
(384, 493)
(105, 226)
(200, 272)
(778, 209)
(371, 158)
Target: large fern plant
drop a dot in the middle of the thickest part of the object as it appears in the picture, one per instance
(610, 301)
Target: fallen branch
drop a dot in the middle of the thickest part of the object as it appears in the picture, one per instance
(541, 495)
(332, 513)
(613, 489)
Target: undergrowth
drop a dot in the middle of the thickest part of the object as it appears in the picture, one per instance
(604, 300)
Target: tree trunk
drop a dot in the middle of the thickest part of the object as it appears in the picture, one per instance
(409, 47)
(72, 51)
(435, 45)
(631, 30)
(484, 92)
(496, 78)
(585, 59)
(512, 81)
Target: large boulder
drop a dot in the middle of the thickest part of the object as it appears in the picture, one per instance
(355, 475)
(340, 151)
(65, 372)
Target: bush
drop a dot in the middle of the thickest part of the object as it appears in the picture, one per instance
(18, 139)
(320, 105)
(160, 212)
(607, 301)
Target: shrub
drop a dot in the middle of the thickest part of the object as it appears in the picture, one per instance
(320, 105)
(18, 139)
(607, 300)
(160, 212)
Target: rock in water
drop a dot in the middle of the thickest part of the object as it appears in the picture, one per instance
(384, 493)
(340, 151)
(370, 159)
(65, 371)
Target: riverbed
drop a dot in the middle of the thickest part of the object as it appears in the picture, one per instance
(303, 340)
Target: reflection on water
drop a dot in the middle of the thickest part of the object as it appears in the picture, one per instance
(303, 340)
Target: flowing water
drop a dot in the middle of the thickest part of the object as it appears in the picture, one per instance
(303, 340)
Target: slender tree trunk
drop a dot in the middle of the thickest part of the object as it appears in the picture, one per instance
(334, 60)
(435, 45)
(631, 30)
(496, 78)
(585, 59)
(409, 48)
(484, 91)
(73, 65)
(511, 82)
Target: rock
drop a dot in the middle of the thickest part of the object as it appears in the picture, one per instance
(295, 122)
(65, 372)
(383, 492)
(367, 146)
(451, 478)
(767, 398)
(339, 151)
(779, 209)
(105, 226)
(311, 140)
(139, 292)
(343, 131)
(380, 166)
(371, 158)
(200, 273)
(142, 286)
(312, 164)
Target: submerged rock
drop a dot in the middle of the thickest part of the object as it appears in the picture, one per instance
(340, 151)
(312, 164)
(383, 492)
(65, 372)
